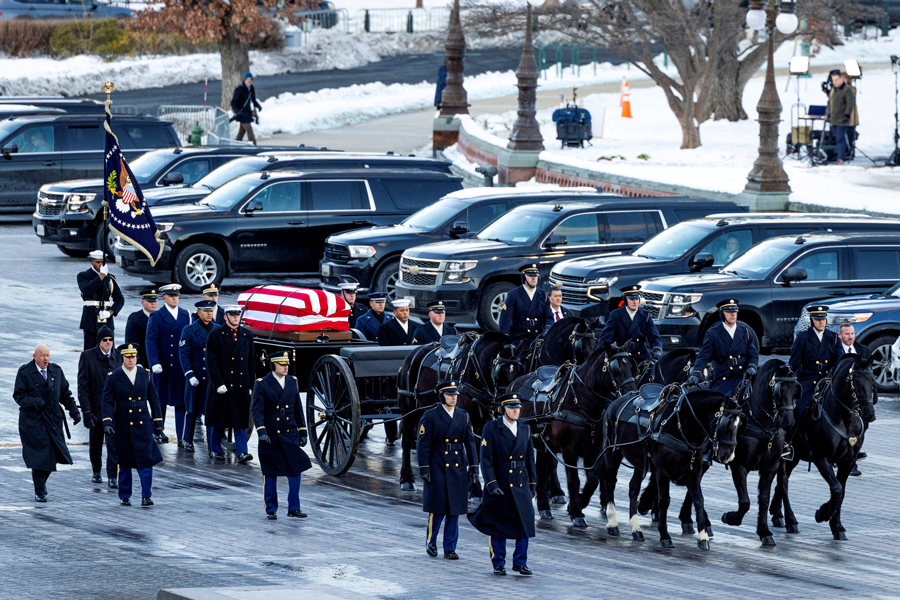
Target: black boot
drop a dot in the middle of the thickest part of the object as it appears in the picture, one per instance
(96, 478)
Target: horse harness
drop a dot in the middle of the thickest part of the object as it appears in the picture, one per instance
(756, 429)
(818, 400)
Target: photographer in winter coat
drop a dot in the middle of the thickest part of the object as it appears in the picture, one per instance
(244, 105)
(841, 107)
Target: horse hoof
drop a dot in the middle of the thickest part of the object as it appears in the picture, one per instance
(407, 487)
(637, 536)
(687, 529)
(558, 500)
(768, 541)
(546, 515)
(654, 516)
(820, 517)
(793, 528)
(612, 531)
(579, 522)
(703, 544)
(840, 536)
(778, 522)
(666, 543)
(709, 530)
(729, 519)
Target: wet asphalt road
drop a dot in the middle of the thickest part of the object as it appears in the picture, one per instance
(363, 536)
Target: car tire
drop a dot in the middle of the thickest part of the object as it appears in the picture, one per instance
(386, 279)
(110, 240)
(880, 351)
(492, 301)
(73, 252)
(198, 266)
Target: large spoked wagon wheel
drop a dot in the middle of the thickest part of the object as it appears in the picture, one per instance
(332, 414)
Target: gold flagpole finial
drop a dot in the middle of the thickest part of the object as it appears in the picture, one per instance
(109, 87)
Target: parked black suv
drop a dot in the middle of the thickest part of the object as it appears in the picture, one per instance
(277, 221)
(473, 276)
(591, 286)
(69, 213)
(371, 257)
(45, 148)
(773, 281)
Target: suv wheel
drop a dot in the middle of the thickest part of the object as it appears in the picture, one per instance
(73, 252)
(492, 303)
(880, 350)
(197, 266)
(110, 240)
(386, 279)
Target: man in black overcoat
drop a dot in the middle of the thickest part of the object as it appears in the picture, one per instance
(435, 328)
(94, 366)
(136, 327)
(101, 297)
(446, 450)
(526, 312)
(730, 347)
(39, 391)
(281, 430)
(398, 331)
(131, 417)
(229, 366)
(507, 465)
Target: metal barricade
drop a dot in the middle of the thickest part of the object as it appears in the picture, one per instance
(400, 20)
(317, 19)
(213, 120)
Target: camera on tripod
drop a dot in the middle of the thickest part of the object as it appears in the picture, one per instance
(827, 85)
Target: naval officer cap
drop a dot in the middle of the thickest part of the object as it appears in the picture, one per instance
(378, 296)
(510, 401)
(129, 350)
(149, 296)
(205, 305)
(631, 291)
(818, 312)
(400, 303)
(529, 270)
(280, 357)
(436, 307)
(173, 289)
(729, 305)
(95, 254)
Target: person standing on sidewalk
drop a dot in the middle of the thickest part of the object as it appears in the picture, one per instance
(244, 105)
(841, 104)
(94, 366)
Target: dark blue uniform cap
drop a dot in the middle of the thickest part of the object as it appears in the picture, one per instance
(129, 349)
(378, 296)
(730, 305)
(149, 296)
(448, 387)
(510, 401)
(280, 357)
(436, 306)
(529, 270)
(818, 312)
(205, 304)
(632, 291)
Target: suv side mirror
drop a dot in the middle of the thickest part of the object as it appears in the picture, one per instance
(458, 228)
(794, 274)
(702, 260)
(556, 240)
(253, 206)
(172, 178)
(10, 149)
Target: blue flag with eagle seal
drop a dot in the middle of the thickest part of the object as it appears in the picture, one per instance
(129, 215)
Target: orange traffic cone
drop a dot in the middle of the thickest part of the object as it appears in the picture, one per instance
(626, 103)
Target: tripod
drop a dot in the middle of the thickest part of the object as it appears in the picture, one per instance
(894, 160)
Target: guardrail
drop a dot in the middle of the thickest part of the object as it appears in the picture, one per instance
(213, 120)
(317, 19)
(399, 20)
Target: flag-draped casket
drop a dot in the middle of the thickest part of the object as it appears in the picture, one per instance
(282, 308)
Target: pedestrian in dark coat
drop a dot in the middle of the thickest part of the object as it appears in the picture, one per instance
(813, 354)
(398, 331)
(370, 322)
(102, 299)
(40, 389)
(526, 312)
(243, 103)
(192, 353)
(441, 84)
(507, 465)
(230, 366)
(131, 417)
(446, 450)
(136, 327)
(94, 366)
(163, 336)
(632, 323)
(348, 293)
(435, 328)
(730, 346)
(281, 430)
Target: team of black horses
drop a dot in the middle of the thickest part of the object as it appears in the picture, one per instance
(593, 403)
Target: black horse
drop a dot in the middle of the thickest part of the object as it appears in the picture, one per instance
(484, 365)
(569, 339)
(569, 421)
(830, 434)
(675, 366)
(671, 446)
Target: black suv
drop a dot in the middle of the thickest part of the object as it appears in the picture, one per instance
(69, 213)
(277, 221)
(371, 257)
(591, 286)
(473, 276)
(773, 281)
(43, 148)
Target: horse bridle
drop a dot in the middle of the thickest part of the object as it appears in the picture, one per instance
(722, 413)
(578, 339)
(499, 362)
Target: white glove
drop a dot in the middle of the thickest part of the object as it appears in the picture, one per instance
(104, 270)
(157, 369)
(194, 381)
(104, 314)
(222, 389)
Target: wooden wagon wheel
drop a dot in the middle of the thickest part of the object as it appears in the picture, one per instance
(332, 414)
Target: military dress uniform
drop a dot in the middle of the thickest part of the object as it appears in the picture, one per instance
(391, 333)
(163, 337)
(523, 318)
(93, 369)
(733, 356)
(192, 354)
(370, 322)
(638, 329)
(218, 313)
(507, 465)
(812, 360)
(427, 333)
(136, 328)
(97, 295)
(445, 448)
(131, 416)
(282, 432)
(356, 310)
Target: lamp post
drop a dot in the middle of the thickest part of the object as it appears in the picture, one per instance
(767, 184)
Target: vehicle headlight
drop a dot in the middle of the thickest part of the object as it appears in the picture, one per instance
(685, 298)
(78, 202)
(680, 305)
(361, 251)
(599, 287)
(838, 318)
(456, 270)
(164, 227)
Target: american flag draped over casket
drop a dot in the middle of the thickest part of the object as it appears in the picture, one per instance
(285, 309)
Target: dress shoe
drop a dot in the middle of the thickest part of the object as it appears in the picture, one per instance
(146, 501)
(271, 516)
(452, 555)
(856, 472)
(431, 549)
(297, 513)
(217, 455)
(164, 438)
(862, 454)
(244, 457)
(125, 502)
(501, 570)
(522, 570)
(181, 443)
(112, 484)
(40, 497)
(391, 443)
(157, 439)
(96, 478)
(188, 447)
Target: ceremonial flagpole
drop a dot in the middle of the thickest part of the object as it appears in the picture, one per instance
(108, 87)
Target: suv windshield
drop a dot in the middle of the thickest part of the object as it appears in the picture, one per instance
(432, 217)
(229, 171)
(517, 227)
(233, 191)
(759, 260)
(674, 242)
(147, 165)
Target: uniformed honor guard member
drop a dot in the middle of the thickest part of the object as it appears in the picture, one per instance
(526, 312)
(192, 353)
(632, 323)
(94, 366)
(446, 446)
(282, 433)
(229, 365)
(164, 329)
(211, 293)
(398, 331)
(813, 355)
(102, 298)
(730, 346)
(435, 328)
(40, 389)
(136, 327)
(507, 465)
(369, 323)
(348, 293)
(131, 416)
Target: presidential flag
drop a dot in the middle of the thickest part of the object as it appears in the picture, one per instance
(129, 215)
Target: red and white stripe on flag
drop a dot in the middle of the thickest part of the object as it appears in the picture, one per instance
(286, 309)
